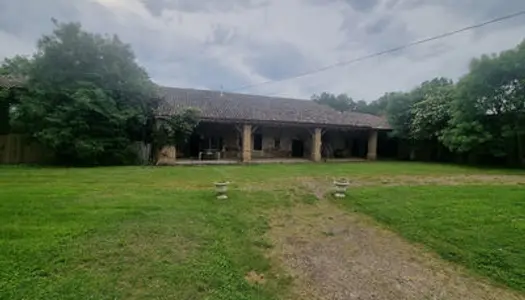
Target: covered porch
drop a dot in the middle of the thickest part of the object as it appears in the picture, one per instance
(223, 143)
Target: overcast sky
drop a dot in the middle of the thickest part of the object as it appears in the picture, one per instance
(232, 43)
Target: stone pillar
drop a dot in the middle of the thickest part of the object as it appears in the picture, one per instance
(167, 156)
(316, 145)
(372, 145)
(246, 143)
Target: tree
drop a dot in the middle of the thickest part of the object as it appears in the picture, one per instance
(175, 130)
(376, 107)
(86, 98)
(431, 113)
(17, 67)
(341, 103)
(13, 69)
(344, 103)
(399, 112)
(489, 110)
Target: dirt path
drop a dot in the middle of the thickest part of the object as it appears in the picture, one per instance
(335, 255)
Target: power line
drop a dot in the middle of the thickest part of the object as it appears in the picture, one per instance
(399, 48)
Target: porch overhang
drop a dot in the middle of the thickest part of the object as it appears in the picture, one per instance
(291, 123)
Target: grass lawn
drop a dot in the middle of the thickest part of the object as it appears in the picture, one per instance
(159, 233)
(481, 227)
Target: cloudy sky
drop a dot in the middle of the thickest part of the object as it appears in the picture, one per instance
(233, 43)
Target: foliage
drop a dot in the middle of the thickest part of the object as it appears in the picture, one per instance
(343, 103)
(86, 97)
(489, 111)
(377, 107)
(483, 115)
(340, 102)
(431, 115)
(5, 104)
(422, 113)
(176, 129)
(17, 68)
(399, 113)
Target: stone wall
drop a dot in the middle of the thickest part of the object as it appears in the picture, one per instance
(285, 135)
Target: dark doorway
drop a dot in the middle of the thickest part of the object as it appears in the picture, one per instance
(194, 145)
(358, 148)
(297, 148)
(257, 142)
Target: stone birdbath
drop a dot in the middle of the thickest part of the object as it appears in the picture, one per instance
(341, 185)
(221, 187)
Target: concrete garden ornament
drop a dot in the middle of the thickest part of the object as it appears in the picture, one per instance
(221, 188)
(341, 185)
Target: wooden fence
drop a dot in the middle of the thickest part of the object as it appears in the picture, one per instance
(16, 149)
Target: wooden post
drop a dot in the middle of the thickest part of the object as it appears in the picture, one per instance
(246, 143)
(316, 145)
(372, 145)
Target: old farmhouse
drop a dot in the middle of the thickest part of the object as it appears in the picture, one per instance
(246, 128)
(249, 128)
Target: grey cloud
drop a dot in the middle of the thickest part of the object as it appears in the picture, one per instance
(156, 7)
(362, 5)
(367, 27)
(358, 5)
(474, 8)
(392, 3)
(169, 60)
(15, 18)
(31, 24)
(477, 11)
(276, 61)
(202, 71)
(379, 25)
(385, 32)
(222, 35)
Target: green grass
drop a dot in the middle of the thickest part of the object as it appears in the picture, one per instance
(480, 227)
(109, 237)
(159, 233)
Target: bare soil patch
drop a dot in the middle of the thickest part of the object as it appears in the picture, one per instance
(316, 184)
(482, 179)
(254, 278)
(335, 255)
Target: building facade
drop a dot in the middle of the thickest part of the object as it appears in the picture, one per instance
(246, 128)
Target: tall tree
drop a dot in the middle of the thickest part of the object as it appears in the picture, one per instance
(87, 98)
(399, 112)
(431, 109)
(489, 111)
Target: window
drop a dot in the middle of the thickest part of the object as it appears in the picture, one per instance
(257, 142)
(277, 143)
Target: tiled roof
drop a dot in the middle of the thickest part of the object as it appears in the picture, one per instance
(10, 82)
(214, 105)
